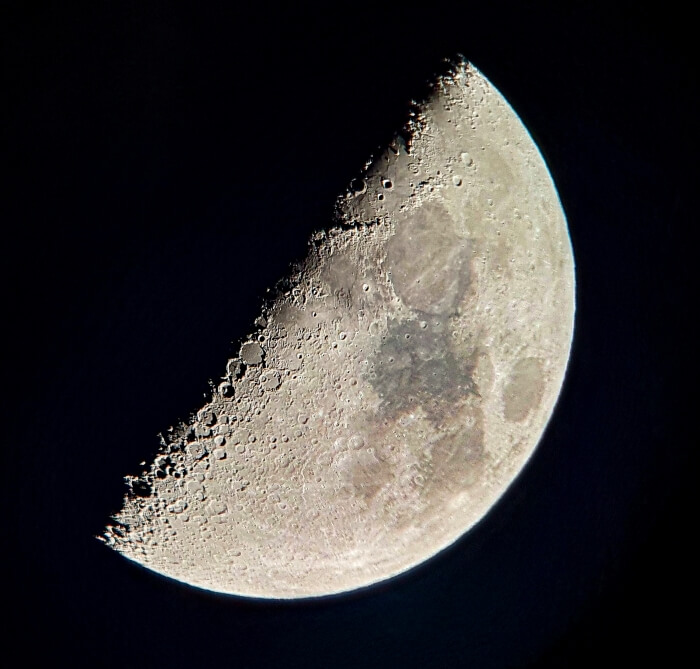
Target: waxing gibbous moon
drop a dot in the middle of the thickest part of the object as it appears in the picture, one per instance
(395, 383)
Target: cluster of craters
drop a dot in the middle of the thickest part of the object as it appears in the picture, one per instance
(391, 386)
(317, 442)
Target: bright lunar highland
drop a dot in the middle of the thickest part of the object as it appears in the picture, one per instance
(394, 384)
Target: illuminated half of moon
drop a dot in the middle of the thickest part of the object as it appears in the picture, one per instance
(395, 383)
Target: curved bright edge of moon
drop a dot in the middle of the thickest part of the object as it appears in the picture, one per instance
(395, 383)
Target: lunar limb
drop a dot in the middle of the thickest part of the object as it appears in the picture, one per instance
(395, 383)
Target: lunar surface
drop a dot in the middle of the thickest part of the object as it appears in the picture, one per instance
(394, 384)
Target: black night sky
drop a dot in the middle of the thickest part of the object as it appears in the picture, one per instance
(164, 167)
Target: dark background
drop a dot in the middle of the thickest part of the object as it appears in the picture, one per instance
(164, 168)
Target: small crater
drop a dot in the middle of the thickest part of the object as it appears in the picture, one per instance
(358, 186)
(196, 450)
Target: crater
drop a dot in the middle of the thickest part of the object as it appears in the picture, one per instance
(429, 263)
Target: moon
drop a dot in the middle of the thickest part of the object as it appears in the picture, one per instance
(396, 381)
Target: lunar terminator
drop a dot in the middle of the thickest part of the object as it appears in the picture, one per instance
(395, 383)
